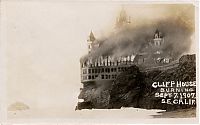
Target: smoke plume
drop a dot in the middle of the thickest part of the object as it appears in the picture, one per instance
(131, 40)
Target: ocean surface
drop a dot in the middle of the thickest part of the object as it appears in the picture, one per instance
(86, 114)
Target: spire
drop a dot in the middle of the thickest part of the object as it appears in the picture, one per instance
(157, 31)
(91, 37)
(122, 16)
(122, 19)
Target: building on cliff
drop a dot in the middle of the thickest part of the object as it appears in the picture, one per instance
(107, 67)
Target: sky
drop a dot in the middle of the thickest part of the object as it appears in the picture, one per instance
(44, 48)
(44, 43)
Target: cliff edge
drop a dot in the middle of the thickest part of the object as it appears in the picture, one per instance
(133, 88)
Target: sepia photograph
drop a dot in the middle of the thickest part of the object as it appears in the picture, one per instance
(100, 62)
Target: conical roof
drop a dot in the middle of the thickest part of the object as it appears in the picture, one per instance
(92, 38)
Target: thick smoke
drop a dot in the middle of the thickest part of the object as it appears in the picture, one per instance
(131, 40)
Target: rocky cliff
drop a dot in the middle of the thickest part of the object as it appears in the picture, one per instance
(133, 88)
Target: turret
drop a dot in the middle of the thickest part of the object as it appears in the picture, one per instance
(158, 39)
(122, 19)
(90, 41)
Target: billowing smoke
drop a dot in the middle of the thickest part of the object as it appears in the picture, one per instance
(131, 40)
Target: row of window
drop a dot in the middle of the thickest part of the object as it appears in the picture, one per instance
(104, 70)
(113, 76)
(92, 77)
(107, 64)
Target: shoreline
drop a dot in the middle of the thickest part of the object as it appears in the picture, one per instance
(179, 113)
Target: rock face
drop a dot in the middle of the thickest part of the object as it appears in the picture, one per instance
(127, 89)
(95, 95)
(133, 88)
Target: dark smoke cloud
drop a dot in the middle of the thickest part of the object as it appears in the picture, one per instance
(132, 40)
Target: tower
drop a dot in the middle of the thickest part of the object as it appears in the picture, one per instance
(91, 41)
(157, 42)
(158, 39)
(122, 20)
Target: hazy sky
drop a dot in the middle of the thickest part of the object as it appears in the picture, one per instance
(45, 41)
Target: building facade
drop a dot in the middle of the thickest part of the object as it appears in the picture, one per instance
(108, 67)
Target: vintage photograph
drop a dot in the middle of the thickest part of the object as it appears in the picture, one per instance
(110, 61)
(146, 62)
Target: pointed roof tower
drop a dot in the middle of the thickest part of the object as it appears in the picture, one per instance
(91, 37)
(157, 31)
(122, 19)
(122, 16)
